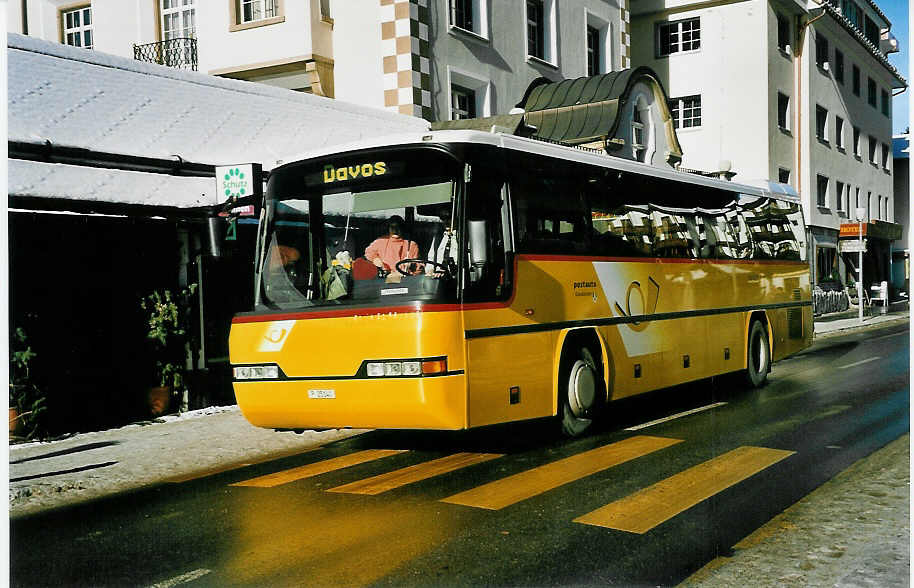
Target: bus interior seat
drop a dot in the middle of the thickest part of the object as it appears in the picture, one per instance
(362, 269)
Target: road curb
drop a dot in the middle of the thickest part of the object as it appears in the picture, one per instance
(861, 327)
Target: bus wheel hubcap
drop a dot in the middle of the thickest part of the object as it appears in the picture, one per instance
(582, 389)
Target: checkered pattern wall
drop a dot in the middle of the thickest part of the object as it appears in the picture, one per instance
(405, 49)
(625, 37)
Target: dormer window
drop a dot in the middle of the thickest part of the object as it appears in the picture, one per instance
(637, 135)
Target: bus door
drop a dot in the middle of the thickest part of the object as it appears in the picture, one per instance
(507, 377)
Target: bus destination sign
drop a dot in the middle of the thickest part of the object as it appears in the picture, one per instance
(353, 172)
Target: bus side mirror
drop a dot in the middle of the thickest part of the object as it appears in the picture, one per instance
(215, 229)
(479, 248)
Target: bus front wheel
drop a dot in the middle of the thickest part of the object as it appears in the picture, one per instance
(759, 355)
(580, 392)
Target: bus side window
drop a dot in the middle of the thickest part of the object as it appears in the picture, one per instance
(769, 222)
(551, 214)
(674, 234)
(716, 238)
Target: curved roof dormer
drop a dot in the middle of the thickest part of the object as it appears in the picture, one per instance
(624, 112)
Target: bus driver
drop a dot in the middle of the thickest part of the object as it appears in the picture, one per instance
(386, 251)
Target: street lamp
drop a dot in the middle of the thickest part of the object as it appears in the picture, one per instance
(861, 214)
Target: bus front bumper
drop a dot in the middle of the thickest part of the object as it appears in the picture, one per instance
(383, 403)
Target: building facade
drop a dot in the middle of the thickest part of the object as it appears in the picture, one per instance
(451, 59)
(279, 42)
(435, 59)
(785, 91)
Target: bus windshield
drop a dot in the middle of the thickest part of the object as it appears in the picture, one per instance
(362, 239)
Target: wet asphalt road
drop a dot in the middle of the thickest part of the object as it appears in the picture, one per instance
(831, 405)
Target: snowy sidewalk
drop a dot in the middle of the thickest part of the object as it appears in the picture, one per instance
(94, 465)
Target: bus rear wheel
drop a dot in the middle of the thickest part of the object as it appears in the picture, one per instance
(758, 360)
(581, 392)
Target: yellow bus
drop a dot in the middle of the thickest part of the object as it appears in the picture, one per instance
(571, 279)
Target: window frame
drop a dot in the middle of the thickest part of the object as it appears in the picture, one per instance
(839, 191)
(695, 43)
(594, 54)
(458, 91)
(236, 14)
(785, 113)
(886, 150)
(80, 30)
(783, 32)
(839, 132)
(678, 107)
(822, 124)
(873, 150)
(822, 51)
(481, 87)
(182, 11)
(871, 92)
(839, 66)
(545, 40)
(479, 22)
(605, 41)
(856, 139)
(855, 79)
(885, 103)
(822, 191)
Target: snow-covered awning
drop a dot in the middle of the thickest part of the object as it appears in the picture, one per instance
(61, 96)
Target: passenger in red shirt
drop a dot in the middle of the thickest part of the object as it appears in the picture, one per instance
(386, 251)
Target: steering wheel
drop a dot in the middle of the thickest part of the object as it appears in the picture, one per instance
(435, 264)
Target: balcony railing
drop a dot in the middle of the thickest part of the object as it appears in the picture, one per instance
(180, 53)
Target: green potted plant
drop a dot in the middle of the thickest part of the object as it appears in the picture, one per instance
(26, 399)
(168, 316)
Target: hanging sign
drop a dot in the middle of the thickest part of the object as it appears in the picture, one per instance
(238, 181)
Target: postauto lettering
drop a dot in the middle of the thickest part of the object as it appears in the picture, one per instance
(351, 172)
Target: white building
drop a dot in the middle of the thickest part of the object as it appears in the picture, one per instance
(785, 90)
(280, 42)
(436, 59)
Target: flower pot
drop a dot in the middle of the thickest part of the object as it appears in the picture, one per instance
(15, 422)
(159, 399)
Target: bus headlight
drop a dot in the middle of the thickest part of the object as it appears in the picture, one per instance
(409, 368)
(256, 372)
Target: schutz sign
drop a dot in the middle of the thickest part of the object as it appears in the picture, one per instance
(238, 181)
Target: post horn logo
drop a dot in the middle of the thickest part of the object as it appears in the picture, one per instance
(648, 305)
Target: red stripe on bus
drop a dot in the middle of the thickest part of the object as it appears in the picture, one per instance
(588, 258)
(314, 314)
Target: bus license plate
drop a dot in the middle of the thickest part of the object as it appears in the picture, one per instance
(321, 393)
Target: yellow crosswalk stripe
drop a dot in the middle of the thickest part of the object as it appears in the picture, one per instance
(321, 467)
(507, 491)
(414, 473)
(647, 508)
(238, 465)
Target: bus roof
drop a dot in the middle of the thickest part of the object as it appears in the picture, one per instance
(756, 187)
